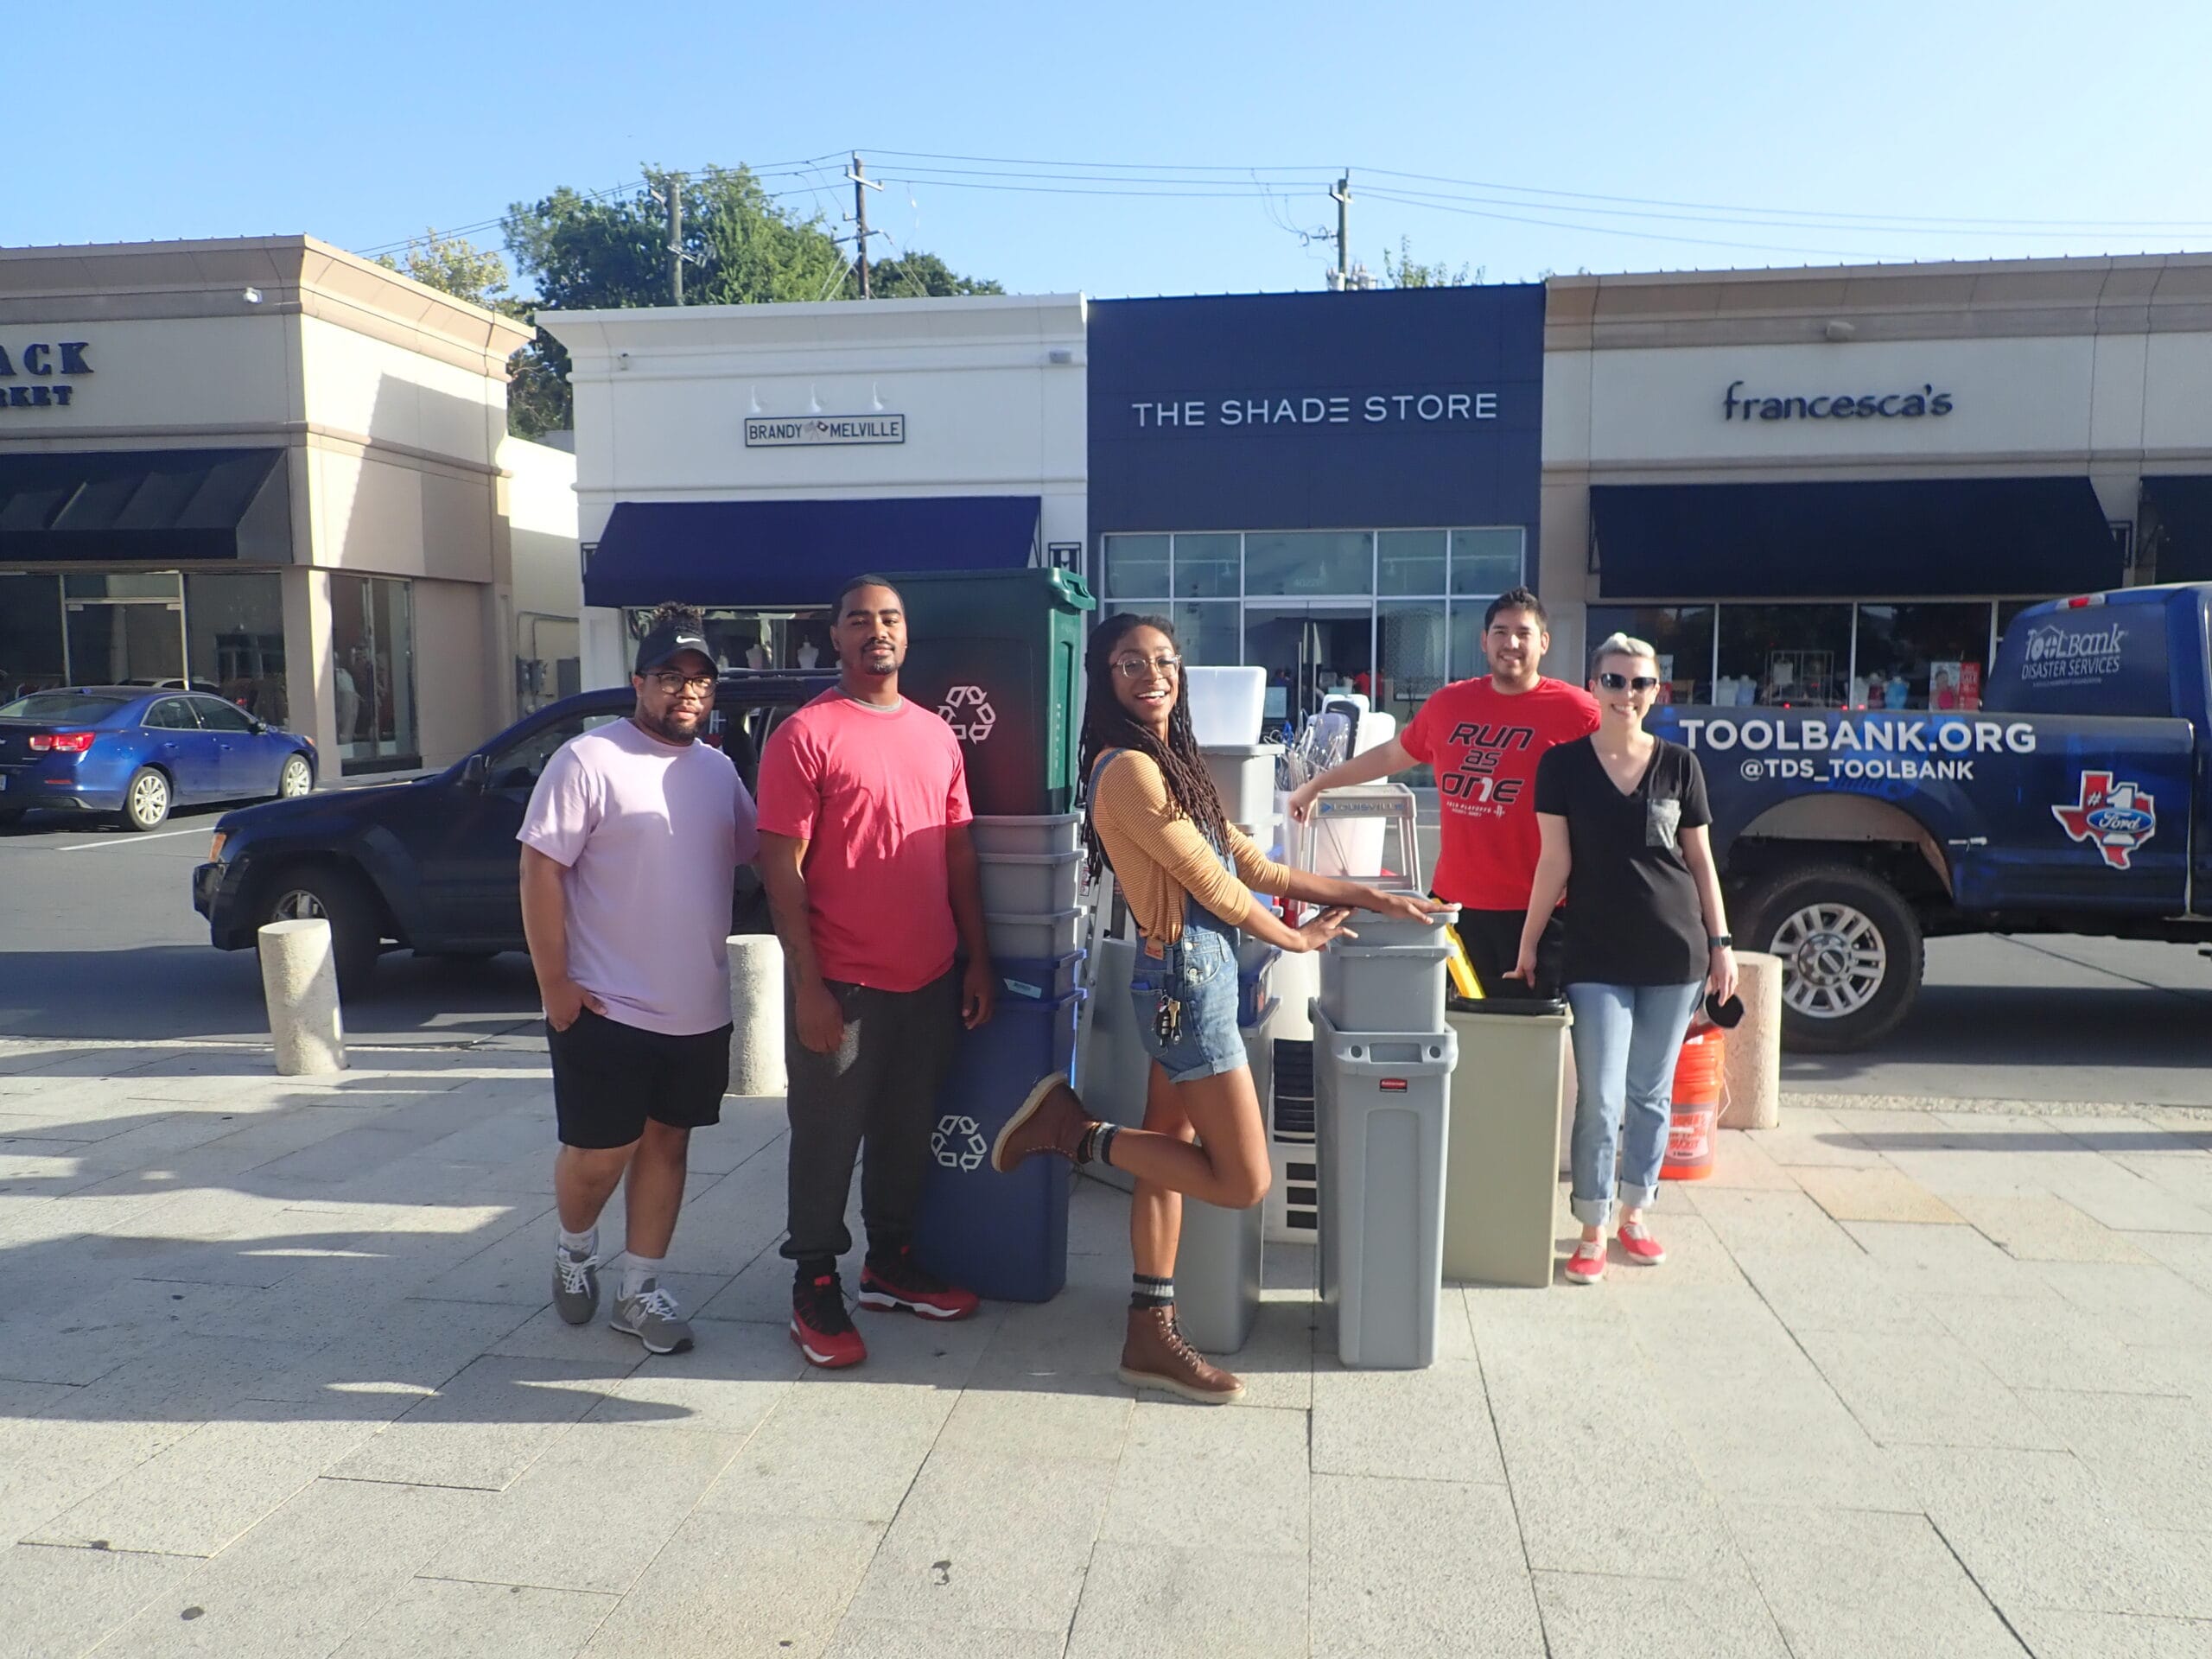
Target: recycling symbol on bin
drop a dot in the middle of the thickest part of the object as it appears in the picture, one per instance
(969, 712)
(958, 1143)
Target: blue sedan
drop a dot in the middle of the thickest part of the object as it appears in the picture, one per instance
(136, 754)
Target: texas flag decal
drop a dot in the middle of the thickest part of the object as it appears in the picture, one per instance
(2117, 817)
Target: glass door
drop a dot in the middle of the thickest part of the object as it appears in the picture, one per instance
(1308, 651)
(123, 630)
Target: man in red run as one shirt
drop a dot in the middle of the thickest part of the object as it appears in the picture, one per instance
(873, 880)
(1483, 737)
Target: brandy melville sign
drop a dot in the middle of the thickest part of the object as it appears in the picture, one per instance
(792, 431)
(41, 374)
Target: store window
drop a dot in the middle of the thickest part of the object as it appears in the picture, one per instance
(1411, 562)
(1207, 632)
(31, 658)
(1135, 565)
(1681, 634)
(123, 628)
(1926, 655)
(1797, 656)
(1487, 561)
(1309, 652)
(1208, 566)
(373, 643)
(1332, 562)
(1411, 651)
(234, 639)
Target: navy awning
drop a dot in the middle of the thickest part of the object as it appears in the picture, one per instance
(1899, 538)
(792, 553)
(2179, 517)
(159, 507)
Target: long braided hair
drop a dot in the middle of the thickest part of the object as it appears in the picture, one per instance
(1108, 725)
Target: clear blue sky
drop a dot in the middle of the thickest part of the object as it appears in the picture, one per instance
(1875, 130)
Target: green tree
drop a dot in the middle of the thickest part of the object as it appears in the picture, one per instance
(920, 276)
(1403, 271)
(454, 265)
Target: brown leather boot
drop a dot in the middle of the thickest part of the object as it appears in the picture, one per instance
(1050, 1119)
(1154, 1356)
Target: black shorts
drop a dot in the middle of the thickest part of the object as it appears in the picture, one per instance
(1493, 942)
(609, 1077)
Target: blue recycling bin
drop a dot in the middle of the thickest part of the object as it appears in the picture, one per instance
(1003, 1236)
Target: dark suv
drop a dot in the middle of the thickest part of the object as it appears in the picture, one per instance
(431, 865)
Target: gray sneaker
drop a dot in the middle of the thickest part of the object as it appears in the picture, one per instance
(653, 1319)
(576, 1285)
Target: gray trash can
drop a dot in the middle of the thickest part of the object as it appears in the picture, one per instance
(1383, 1114)
(1501, 1159)
(1217, 1266)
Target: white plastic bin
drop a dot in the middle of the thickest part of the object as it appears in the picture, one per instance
(1227, 704)
(1244, 776)
(1030, 883)
(1061, 832)
(1051, 937)
(1384, 1117)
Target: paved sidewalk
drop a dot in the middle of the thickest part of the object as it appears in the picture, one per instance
(278, 1376)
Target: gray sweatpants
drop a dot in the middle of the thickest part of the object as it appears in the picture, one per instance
(880, 1086)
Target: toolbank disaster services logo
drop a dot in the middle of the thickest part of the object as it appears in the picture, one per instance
(2115, 818)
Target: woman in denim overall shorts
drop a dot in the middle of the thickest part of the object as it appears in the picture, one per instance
(1189, 877)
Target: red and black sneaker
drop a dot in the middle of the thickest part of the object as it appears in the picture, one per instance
(895, 1279)
(820, 1326)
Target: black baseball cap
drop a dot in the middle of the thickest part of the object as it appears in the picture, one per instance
(669, 641)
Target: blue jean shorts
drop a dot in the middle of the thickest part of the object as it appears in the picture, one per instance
(1202, 971)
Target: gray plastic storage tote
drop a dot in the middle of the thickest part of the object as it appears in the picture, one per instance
(1030, 883)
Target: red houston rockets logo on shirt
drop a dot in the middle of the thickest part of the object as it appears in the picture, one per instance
(2117, 817)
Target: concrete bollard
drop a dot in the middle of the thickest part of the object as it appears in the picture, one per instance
(756, 1014)
(1751, 1080)
(299, 980)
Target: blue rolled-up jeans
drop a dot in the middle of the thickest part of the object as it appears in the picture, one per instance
(1627, 1039)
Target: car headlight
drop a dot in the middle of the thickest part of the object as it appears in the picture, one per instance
(215, 851)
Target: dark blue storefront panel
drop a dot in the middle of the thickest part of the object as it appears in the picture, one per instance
(1418, 407)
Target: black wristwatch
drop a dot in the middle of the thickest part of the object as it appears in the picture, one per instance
(1717, 941)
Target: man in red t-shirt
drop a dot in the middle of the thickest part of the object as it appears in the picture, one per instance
(871, 879)
(1483, 737)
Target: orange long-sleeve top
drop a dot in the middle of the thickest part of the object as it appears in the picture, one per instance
(1160, 856)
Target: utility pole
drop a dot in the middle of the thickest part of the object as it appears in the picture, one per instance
(675, 237)
(861, 184)
(1342, 196)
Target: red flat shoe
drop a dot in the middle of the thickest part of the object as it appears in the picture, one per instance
(1638, 1245)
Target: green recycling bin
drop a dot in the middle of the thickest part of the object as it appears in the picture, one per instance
(998, 653)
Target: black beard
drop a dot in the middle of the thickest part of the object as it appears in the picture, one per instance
(662, 730)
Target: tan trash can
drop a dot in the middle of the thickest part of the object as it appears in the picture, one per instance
(1502, 1154)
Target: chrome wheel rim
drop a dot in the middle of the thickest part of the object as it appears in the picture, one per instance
(295, 778)
(1833, 961)
(149, 799)
(296, 905)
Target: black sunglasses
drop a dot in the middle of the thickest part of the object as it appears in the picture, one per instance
(1621, 682)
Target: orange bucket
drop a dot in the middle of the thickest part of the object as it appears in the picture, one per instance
(1697, 1107)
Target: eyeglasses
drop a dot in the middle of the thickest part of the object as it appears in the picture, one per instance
(1135, 668)
(1623, 683)
(672, 682)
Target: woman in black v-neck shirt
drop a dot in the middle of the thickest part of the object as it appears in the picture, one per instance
(1623, 814)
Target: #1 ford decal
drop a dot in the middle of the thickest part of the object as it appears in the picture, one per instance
(2116, 819)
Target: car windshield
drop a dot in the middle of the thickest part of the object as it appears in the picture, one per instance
(73, 708)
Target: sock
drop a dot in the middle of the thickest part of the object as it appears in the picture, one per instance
(583, 1244)
(1151, 1293)
(639, 1271)
(1097, 1145)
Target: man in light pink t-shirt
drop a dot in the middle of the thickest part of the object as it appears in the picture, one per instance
(873, 881)
(629, 852)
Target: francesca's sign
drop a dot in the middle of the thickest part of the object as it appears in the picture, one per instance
(1910, 404)
(796, 431)
(1276, 408)
(39, 374)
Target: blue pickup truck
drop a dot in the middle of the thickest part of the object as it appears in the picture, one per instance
(2075, 799)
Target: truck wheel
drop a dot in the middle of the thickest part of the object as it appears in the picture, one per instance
(339, 897)
(1851, 954)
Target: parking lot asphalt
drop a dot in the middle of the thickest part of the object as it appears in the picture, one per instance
(98, 940)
